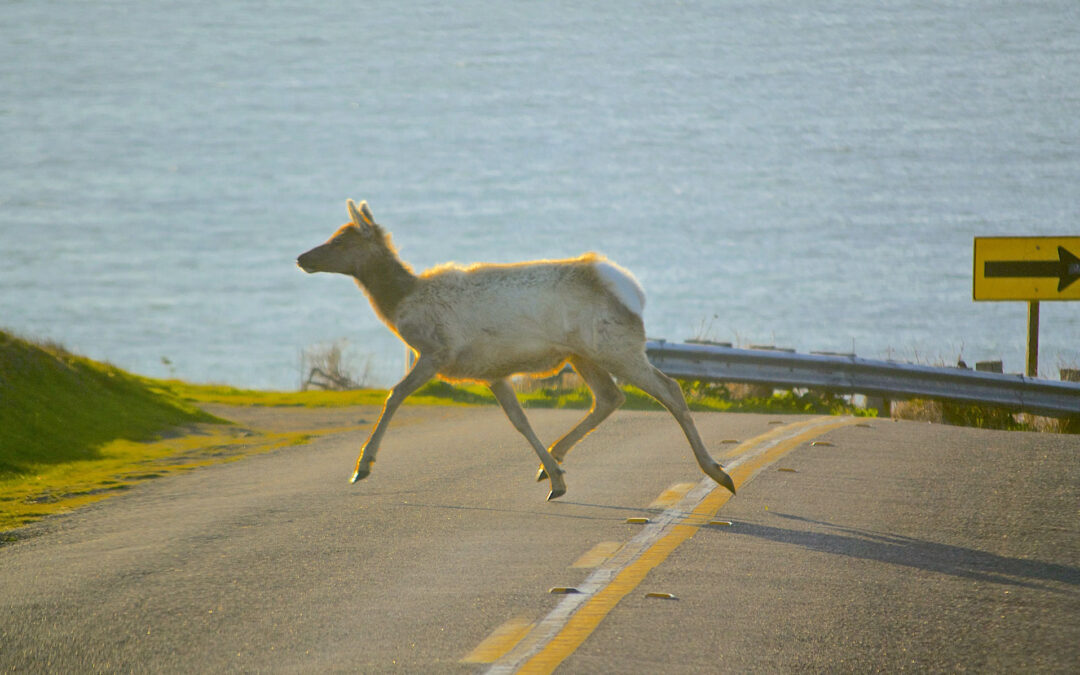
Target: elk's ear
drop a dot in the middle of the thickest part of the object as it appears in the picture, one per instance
(366, 213)
(362, 216)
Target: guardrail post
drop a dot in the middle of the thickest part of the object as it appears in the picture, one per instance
(1071, 423)
(881, 404)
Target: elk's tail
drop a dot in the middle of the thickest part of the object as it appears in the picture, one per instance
(622, 285)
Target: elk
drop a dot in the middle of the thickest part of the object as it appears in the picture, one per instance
(487, 322)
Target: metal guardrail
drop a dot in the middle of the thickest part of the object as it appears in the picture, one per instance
(853, 375)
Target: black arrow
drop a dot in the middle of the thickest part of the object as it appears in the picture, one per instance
(1066, 268)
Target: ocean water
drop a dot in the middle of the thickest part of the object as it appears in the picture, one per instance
(805, 176)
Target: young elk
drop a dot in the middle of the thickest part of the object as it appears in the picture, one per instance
(488, 322)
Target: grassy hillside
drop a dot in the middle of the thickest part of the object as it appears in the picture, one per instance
(57, 407)
(74, 431)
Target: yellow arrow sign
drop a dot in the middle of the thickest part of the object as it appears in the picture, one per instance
(1026, 268)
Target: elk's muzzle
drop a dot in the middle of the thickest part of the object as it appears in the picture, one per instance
(305, 262)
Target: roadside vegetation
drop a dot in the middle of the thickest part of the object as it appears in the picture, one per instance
(58, 407)
(701, 397)
(73, 430)
(981, 417)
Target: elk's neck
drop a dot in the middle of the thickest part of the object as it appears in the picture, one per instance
(387, 282)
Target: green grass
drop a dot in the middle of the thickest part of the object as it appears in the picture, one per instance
(433, 393)
(216, 393)
(58, 407)
(73, 431)
(702, 397)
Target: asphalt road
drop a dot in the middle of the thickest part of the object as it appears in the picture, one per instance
(897, 546)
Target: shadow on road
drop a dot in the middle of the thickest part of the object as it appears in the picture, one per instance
(956, 561)
(557, 509)
(544, 510)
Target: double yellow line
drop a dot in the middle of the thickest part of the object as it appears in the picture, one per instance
(541, 647)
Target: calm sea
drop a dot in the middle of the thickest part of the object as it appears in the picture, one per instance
(809, 178)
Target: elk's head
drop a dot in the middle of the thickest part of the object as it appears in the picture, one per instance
(346, 251)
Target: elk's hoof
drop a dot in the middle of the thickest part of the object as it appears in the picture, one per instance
(720, 476)
(360, 474)
(542, 474)
(558, 484)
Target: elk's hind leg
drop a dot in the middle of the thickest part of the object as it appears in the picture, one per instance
(606, 399)
(504, 394)
(643, 375)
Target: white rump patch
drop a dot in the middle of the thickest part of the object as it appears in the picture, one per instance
(623, 284)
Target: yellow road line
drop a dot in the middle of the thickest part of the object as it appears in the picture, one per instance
(671, 495)
(770, 435)
(501, 640)
(597, 554)
(568, 626)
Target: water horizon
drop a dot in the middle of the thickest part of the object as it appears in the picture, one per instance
(810, 178)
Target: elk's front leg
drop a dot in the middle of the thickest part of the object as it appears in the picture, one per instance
(423, 370)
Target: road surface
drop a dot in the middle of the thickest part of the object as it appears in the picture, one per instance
(854, 547)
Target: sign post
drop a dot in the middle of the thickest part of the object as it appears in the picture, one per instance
(1032, 368)
(1030, 269)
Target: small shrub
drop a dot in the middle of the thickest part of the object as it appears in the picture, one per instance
(325, 367)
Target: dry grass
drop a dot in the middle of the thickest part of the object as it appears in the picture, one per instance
(918, 410)
(981, 416)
